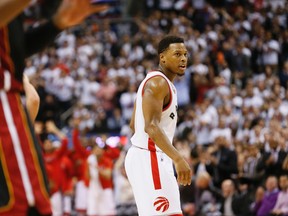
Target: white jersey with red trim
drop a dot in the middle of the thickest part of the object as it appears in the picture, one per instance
(168, 117)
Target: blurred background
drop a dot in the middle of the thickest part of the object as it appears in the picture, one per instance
(233, 100)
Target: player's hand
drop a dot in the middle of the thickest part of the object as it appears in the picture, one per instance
(184, 172)
(73, 12)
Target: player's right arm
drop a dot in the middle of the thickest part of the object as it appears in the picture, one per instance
(9, 9)
(32, 98)
(155, 95)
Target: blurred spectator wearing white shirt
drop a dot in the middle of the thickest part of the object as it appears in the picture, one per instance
(30, 69)
(64, 88)
(207, 119)
(65, 51)
(127, 100)
(256, 135)
(89, 90)
(124, 198)
(271, 51)
(222, 130)
(251, 100)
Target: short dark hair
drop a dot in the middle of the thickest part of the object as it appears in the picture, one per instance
(166, 41)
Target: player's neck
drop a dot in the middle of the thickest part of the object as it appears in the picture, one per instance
(171, 76)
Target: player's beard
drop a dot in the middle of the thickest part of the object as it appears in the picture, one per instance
(180, 74)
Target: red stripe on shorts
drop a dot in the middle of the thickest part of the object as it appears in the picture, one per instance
(20, 205)
(154, 165)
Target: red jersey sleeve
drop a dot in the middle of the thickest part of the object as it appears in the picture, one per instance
(112, 153)
(63, 149)
(77, 145)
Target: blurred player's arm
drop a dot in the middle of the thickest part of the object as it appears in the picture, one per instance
(32, 98)
(155, 92)
(9, 9)
(52, 128)
(77, 144)
(69, 13)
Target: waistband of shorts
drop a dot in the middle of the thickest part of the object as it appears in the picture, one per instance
(134, 146)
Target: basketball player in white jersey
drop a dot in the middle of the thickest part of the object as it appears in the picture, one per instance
(149, 160)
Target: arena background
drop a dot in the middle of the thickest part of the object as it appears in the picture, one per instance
(233, 99)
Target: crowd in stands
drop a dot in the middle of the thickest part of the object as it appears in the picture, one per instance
(233, 104)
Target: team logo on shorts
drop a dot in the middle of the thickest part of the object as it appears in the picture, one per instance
(161, 204)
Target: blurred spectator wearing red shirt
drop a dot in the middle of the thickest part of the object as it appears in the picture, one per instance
(100, 191)
(52, 159)
(67, 184)
(80, 166)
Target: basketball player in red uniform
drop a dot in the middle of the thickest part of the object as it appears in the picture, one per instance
(23, 184)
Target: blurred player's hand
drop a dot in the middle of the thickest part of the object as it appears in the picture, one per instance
(73, 12)
(184, 172)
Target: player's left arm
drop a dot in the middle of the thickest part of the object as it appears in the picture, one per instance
(132, 121)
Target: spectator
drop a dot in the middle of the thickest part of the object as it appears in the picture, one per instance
(228, 193)
(127, 101)
(100, 191)
(223, 160)
(283, 75)
(64, 88)
(124, 198)
(272, 159)
(242, 200)
(249, 172)
(264, 206)
(281, 206)
(79, 161)
(67, 184)
(52, 157)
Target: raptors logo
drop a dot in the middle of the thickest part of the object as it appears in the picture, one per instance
(161, 204)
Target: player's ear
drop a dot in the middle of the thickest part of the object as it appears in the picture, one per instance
(162, 58)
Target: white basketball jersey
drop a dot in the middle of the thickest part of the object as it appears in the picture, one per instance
(168, 118)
